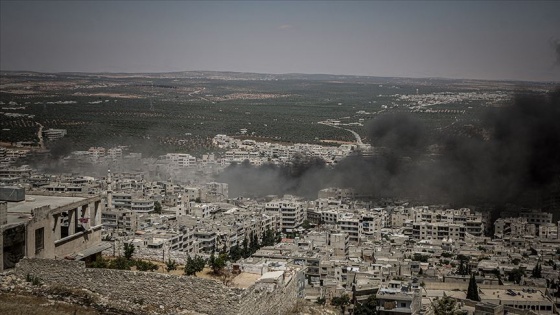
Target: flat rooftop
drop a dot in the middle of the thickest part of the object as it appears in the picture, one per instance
(21, 211)
(441, 293)
(502, 295)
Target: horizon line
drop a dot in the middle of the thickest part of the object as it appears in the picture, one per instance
(282, 74)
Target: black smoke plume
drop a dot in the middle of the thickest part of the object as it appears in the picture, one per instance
(515, 157)
(555, 43)
(302, 176)
(520, 158)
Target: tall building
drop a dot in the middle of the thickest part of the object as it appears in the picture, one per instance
(292, 213)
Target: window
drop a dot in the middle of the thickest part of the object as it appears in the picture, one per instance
(39, 239)
(403, 304)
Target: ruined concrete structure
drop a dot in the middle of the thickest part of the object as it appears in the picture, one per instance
(50, 227)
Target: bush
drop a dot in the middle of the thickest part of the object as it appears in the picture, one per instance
(170, 265)
(145, 265)
(100, 262)
(33, 279)
(120, 263)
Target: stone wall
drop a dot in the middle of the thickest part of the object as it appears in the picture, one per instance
(169, 293)
(271, 299)
(173, 292)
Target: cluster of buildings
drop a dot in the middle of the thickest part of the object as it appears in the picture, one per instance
(409, 270)
(430, 99)
(8, 156)
(236, 150)
(100, 154)
(259, 153)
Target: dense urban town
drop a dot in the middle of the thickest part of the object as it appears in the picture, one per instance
(342, 253)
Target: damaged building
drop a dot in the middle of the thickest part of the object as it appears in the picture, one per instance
(50, 227)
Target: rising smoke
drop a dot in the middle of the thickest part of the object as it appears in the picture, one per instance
(555, 44)
(516, 155)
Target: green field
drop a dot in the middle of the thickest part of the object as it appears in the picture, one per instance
(159, 113)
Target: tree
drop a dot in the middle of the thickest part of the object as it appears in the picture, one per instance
(218, 263)
(462, 257)
(195, 265)
(306, 225)
(341, 301)
(464, 268)
(445, 306)
(157, 207)
(128, 251)
(496, 272)
(472, 291)
(321, 301)
(254, 243)
(419, 257)
(537, 271)
(235, 253)
(369, 307)
(268, 238)
(516, 275)
(211, 259)
(245, 251)
(170, 265)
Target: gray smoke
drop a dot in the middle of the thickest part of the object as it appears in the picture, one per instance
(555, 44)
(302, 176)
(515, 157)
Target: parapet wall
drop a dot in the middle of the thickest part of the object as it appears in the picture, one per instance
(202, 296)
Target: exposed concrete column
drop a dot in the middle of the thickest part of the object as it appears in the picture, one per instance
(56, 227)
(72, 214)
(96, 213)
(87, 213)
(84, 214)
(92, 214)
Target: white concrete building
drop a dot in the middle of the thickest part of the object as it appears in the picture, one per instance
(292, 213)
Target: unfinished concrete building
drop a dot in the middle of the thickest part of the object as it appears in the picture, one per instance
(50, 227)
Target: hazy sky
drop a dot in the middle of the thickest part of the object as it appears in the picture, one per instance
(456, 39)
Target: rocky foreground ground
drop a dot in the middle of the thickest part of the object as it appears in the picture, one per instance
(32, 297)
